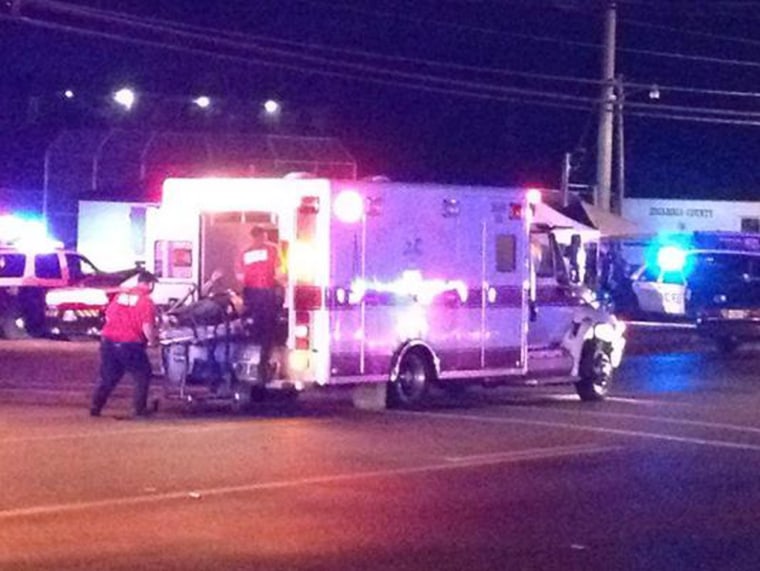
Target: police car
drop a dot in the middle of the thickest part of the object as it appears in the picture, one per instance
(711, 279)
(660, 286)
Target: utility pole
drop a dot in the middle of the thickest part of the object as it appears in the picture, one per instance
(565, 184)
(617, 206)
(606, 110)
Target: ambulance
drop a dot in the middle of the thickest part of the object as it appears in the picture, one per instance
(400, 287)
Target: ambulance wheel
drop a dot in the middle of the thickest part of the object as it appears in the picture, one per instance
(411, 385)
(595, 370)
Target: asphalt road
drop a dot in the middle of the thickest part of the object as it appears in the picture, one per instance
(663, 475)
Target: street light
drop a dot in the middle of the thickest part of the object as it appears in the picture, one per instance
(68, 94)
(204, 102)
(653, 92)
(272, 107)
(125, 97)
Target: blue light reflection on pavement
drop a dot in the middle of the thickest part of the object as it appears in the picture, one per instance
(688, 372)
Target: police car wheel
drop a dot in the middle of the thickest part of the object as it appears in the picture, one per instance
(595, 371)
(411, 386)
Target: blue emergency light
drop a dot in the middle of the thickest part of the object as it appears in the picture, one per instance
(671, 259)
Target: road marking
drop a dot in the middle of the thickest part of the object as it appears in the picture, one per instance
(586, 428)
(533, 453)
(627, 400)
(651, 402)
(669, 420)
(453, 463)
(182, 429)
(666, 326)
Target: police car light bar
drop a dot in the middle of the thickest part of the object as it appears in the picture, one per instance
(26, 234)
(671, 259)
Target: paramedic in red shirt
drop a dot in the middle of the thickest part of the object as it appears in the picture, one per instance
(260, 272)
(130, 326)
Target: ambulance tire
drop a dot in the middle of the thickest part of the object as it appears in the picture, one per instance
(595, 370)
(410, 388)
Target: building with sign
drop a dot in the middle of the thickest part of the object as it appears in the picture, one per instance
(657, 215)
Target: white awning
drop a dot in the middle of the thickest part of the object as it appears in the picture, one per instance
(608, 224)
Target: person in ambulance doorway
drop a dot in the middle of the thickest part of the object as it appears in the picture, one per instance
(129, 328)
(260, 271)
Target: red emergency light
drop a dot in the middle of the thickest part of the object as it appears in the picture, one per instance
(534, 196)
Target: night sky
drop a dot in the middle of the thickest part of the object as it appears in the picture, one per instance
(411, 131)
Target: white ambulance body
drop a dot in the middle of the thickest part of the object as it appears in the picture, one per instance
(405, 284)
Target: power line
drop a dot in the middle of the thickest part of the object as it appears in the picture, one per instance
(251, 61)
(692, 119)
(432, 63)
(445, 85)
(159, 25)
(533, 37)
(697, 90)
(247, 37)
(111, 18)
(696, 33)
(695, 110)
(432, 89)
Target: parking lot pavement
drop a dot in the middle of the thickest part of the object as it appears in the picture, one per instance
(649, 338)
(512, 478)
(56, 372)
(663, 474)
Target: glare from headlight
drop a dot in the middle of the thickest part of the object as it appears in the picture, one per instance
(605, 332)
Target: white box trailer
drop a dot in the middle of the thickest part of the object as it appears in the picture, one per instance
(404, 284)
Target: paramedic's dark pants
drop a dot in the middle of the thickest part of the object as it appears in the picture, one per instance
(115, 360)
(261, 304)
